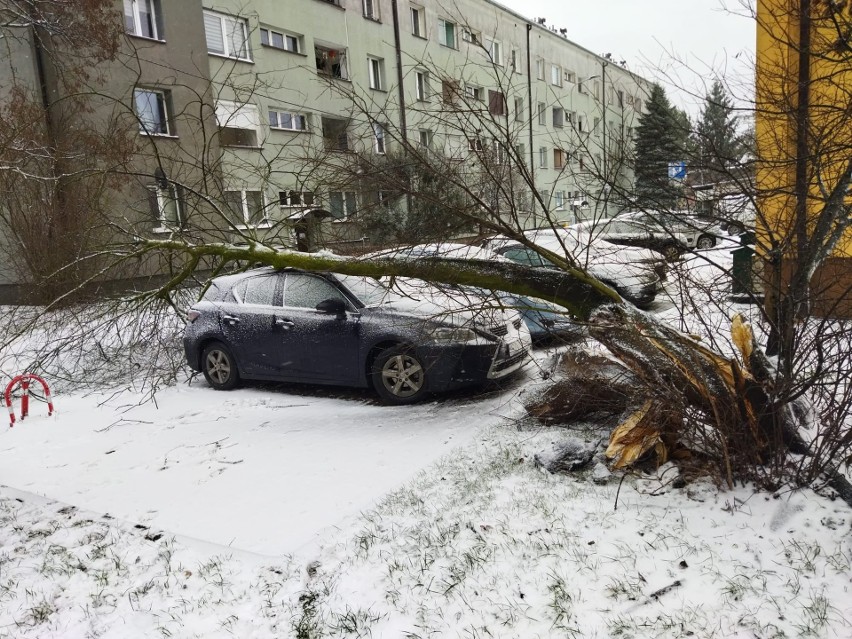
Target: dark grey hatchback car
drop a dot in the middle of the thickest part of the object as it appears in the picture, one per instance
(405, 341)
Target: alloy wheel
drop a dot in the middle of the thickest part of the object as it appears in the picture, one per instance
(403, 376)
(218, 366)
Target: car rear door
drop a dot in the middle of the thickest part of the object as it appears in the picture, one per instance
(247, 321)
(313, 345)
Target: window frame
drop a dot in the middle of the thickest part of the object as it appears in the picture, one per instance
(542, 113)
(498, 58)
(344, 200)
(556, 75)
(418, 27)
(164, 103)
(343, 65)
(373, 12)
(246, 223)
(286, 199)
(558, 122)
(519, 109)
(222, 17)
(156, 23)
(376, 73)
(540, 68)
(444, 27)
(379, 138)
(174, 193)
(293, 116)
(421, 85)
(542, 157)
(269, 31)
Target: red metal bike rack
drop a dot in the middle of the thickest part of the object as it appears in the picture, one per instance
(24, 380)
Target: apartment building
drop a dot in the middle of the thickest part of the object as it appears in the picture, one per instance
(234, 103)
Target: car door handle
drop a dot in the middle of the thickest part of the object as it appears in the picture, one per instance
(230, 320)
(284, 323)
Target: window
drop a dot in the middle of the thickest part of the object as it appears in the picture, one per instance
(281, 40)
(596, 87)
(238, 124)
(371, 9)
(376, 68)
(384, 198)
(245, 208)
(257, 290)
(143, 18)
(542, 157)
(542, 113)
(471, 36)
(597, 126)
(560, 200)
(449, 91)
(515, 60)
(495, 52)
(474, 144)
(558, 117)
(472, 92)
(570, 77)
(582, 124)
(226, 35)
(637, 103)
(306, 291)
(581, 88)
(424, 137)
(166, 207)
(334, 134)
(555, 75)
(287, 121)
(152, 111)
(331, 62)
(559, 158)
(499, 153)
(519, 109)
(620, 95)
(539, 69)
(378, 137)
(447, 33)
(291, 199)
(418, 22)
(496, 103)
(421, 84)
(342, 204)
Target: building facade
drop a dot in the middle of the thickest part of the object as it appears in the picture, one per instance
(804, 89)
(236, 109)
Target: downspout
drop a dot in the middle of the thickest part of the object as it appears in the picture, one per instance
(802, 126)
(403, 126)
(530, 99)
(400, 87)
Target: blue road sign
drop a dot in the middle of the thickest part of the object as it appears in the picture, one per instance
(677, 170)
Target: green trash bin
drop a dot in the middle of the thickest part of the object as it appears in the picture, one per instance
(742, 272)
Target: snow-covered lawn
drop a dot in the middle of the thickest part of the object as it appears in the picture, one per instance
(275, 511)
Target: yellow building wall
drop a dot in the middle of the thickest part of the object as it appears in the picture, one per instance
(830, 125)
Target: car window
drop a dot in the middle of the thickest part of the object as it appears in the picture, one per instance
(370, 291)
(257, 290)
(523, 255)
(306, 291)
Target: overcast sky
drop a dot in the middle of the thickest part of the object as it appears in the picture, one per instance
(660, 39)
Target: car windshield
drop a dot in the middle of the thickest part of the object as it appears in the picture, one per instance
(370, 291)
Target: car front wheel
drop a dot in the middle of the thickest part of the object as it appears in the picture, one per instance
(399, 376)
(705, 242)
(219, 367)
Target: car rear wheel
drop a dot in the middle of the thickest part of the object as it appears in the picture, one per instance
(706, 242)
(735, 229)
(399, 377)
(219, 367)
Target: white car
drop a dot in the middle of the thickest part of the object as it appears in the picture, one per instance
(636, 273)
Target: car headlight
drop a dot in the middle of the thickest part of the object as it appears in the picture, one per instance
(449, 334)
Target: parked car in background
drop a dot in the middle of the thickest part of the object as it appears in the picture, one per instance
(670, 233)
(635, 273)
(405, 341)
(545, 321)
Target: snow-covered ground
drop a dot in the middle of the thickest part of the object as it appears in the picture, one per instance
(276, 511)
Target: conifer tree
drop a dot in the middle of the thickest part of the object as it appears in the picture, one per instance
(718, 144)
(660, 139)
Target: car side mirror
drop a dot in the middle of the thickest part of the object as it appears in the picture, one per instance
(332, 306)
